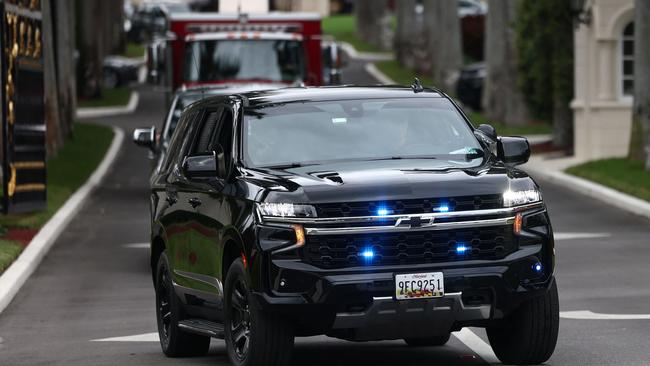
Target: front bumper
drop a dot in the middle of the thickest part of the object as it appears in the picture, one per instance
(359, 303)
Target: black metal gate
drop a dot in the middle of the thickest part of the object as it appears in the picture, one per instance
(23, 107)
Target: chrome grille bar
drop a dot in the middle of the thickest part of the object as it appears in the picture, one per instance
(393, 229)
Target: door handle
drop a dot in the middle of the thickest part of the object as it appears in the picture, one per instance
(194, 202)
(170, 200)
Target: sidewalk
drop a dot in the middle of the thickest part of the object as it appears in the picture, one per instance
(552, 170)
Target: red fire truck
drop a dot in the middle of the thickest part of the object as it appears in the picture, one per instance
(214, 48)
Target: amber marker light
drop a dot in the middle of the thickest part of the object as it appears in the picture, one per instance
(300, 235)
(517, 224)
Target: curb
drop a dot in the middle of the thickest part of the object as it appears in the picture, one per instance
(366, 56)
(377, 74)
(19, 271)
(602, 193)
(84, 113)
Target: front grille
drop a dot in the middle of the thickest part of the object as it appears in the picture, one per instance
(411, 247)
(412, 206)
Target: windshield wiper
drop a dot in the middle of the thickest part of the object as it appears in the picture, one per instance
(403, 157)
(286, 166)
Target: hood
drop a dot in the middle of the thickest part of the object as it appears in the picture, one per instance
(387, 180)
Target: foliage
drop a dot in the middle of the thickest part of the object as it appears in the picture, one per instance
(110, 98)
(624, 175)
(67, 172)
(545, 46)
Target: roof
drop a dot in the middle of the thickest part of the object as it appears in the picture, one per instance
(271, 16)
(336, 93)
(217, 36)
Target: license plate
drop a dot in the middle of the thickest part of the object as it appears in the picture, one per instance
(419, 285)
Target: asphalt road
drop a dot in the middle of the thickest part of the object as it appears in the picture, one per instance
(95, 284)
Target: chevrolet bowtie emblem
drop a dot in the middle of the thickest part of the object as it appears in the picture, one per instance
(414, 221)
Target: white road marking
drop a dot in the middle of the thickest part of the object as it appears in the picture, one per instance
(590, 315)
(476, 344)
(136, 246)
(145, 337)
(570, 236)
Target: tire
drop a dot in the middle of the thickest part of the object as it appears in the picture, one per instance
(174, 342)
(529, 334)
(253, 338)
(428, 342)
(111, 79)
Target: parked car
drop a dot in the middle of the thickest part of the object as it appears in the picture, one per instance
(150, 18)
(469, 87)
(120, 70)
(471, 7)
(362, 213)
(157, 141)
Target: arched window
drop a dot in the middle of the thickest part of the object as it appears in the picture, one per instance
(627, 60)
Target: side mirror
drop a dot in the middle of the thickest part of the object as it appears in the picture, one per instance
(200, 166)
(206, 165)
(489, 131)
(513, 150)
(145, 137)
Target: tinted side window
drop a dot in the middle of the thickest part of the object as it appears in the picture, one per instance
(177, 140)
(225, 134)
(208, 128)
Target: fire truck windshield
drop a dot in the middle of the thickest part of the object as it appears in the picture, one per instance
(244, 60)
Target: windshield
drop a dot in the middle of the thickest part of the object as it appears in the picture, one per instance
(372, 129)
(259, 60)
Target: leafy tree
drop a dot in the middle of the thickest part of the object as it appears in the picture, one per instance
(545, 45)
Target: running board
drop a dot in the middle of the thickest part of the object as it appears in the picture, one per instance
(202, 327)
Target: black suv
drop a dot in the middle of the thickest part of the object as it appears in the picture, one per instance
(362, 213)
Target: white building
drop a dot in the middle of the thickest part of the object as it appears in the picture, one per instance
(604, 80)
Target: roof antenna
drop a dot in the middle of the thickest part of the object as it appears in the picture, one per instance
(417, 86)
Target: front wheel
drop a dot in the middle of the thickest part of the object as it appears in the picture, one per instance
(529, 334)
(252, 336)
(174, 342)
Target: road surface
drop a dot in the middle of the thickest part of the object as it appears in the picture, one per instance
(95, 285)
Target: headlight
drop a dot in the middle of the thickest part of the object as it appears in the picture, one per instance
(518, 198)
(286, 210)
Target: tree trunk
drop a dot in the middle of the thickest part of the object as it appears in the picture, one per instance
(406, 34)
(53, 135)
(502, 99)
(640, 146)
(444, 41)
(373, 22)
(66, 77)
(91, 40)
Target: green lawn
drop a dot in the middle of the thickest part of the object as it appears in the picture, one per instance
(67, 172)
(343, 28)
(9, 251)
(621, 174)
(402, 75)
(134, 50)
(110, 98)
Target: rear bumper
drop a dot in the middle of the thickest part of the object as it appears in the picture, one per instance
(359, 303)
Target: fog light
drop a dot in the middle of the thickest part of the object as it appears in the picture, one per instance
(537, 267)
(367, 254)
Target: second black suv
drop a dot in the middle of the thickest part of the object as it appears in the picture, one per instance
(362, 213)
